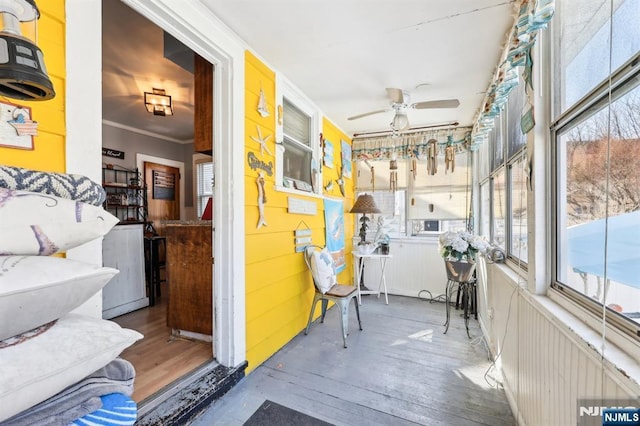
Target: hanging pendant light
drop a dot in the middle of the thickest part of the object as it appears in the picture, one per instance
(22, 71)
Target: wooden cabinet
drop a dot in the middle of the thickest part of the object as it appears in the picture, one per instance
(203, 108)
(189, 276)
(122, 249)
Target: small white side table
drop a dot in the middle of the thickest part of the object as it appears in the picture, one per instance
(358, 266)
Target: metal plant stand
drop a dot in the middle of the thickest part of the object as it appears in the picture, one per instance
(460, 277)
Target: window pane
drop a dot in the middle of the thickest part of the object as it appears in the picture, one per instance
(392, 208)
(518, 217)
(297, 162)
(296, 124)
(381, 178)
(483, 160)
(499, 209)
(515, 107)
(204, 185)
(497, 148)
(485, 210)
(599, 200)
(583, 44)
(445, 195)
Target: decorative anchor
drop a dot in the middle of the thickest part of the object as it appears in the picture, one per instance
(262, 198)
(262, 141)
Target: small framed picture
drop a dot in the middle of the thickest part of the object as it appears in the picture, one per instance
(16, 127)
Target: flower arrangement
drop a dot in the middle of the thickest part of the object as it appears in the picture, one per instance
(461, 246)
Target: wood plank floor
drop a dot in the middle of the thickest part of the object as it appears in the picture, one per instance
(401, 370)
(159, 358)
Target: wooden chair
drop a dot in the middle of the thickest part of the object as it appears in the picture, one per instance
(320, 264)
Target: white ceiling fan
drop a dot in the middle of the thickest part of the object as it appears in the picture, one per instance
(400, 102)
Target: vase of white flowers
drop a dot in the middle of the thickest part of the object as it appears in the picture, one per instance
(459, 251)
(461, 246)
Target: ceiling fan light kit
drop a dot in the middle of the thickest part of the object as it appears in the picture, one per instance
(400, 121)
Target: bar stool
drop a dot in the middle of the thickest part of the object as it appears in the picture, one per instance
(155, 249)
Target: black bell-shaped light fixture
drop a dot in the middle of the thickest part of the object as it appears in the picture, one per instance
(22, 71)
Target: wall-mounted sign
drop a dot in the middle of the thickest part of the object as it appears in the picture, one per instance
(164, 185)
(302, 236)
(300, 206)
(256, 163)
(16, 127)
(328, 153)
(113, 153)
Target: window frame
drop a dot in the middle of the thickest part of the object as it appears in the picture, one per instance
(286, 90)
(197, 196)
(620, 330)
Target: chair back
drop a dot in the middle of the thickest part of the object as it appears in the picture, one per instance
(320, 264)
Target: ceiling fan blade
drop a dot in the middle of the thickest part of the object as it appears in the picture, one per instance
(443, 103)
(396, 95)
(369, 113)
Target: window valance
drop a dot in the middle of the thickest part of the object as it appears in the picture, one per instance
(413, 145)
(531, 16)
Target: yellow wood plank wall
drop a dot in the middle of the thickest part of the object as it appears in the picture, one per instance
(49, 145)
(279, 290)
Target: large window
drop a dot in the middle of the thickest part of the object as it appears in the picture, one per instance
(597, 157)
(501, 164)
(422, 204)
(298, 160)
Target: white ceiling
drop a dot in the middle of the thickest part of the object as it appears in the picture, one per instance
(341, 53)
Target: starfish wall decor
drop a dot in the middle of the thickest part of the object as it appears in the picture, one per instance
(262, 141)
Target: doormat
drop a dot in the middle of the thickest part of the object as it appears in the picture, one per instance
(270, 413)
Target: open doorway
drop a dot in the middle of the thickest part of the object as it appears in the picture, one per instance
(156, 152)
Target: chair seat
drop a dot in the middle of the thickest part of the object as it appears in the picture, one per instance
(340, 290)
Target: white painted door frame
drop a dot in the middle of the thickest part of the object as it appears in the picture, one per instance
(195, 26)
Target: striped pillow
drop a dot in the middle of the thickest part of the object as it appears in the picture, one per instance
(72, 187)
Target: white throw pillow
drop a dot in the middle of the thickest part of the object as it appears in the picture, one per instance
(41, 366)
(323, 270)
(35, 290)
(32, 223)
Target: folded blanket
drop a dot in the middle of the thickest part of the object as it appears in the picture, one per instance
(80, 399)
(70, 186)
(117, 410)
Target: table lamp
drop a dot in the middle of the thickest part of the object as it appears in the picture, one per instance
(364, 204)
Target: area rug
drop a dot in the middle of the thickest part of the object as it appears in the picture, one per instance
(270, 414)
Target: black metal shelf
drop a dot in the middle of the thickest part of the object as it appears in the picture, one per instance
(126, 194)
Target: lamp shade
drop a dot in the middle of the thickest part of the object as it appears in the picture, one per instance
(365, 204)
